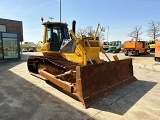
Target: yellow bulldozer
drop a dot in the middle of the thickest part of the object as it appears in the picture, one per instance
(73, 64)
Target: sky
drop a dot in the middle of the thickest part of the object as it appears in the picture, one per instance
(120, 15)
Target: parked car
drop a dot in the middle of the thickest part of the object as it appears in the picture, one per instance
(31, 50)
(24, 50)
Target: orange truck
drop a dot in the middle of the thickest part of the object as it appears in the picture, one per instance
(157, 51)
(136, 48)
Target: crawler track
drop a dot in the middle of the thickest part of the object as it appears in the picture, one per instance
(53, 65)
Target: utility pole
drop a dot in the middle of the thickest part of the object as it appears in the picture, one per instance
(107, 33)
(60, 10)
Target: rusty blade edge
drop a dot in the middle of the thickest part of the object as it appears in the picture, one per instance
(88, 101)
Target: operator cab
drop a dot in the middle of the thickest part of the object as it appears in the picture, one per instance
(56, 33)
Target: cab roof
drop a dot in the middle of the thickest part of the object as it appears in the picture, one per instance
(54, 23)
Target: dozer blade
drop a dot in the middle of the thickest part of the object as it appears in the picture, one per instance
(95, 81)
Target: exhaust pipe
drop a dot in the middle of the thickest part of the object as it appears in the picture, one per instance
(74, 26)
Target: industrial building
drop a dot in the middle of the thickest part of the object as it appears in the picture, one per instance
(11, 35)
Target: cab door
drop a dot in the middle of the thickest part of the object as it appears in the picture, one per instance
(56, 38)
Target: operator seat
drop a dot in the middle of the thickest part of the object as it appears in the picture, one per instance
(55, 42)
(55, 37)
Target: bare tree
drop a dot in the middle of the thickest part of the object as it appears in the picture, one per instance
(90, 30)
(81, 31)
(135, 34)
(154, 29)
(87, 30)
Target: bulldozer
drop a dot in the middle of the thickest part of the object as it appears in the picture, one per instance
(73, 64)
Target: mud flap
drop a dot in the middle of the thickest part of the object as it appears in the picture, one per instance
(96, 81)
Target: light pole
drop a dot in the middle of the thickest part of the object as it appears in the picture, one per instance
(107, 33)
(60, 10)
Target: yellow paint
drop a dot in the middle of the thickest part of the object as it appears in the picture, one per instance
(84, 48)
